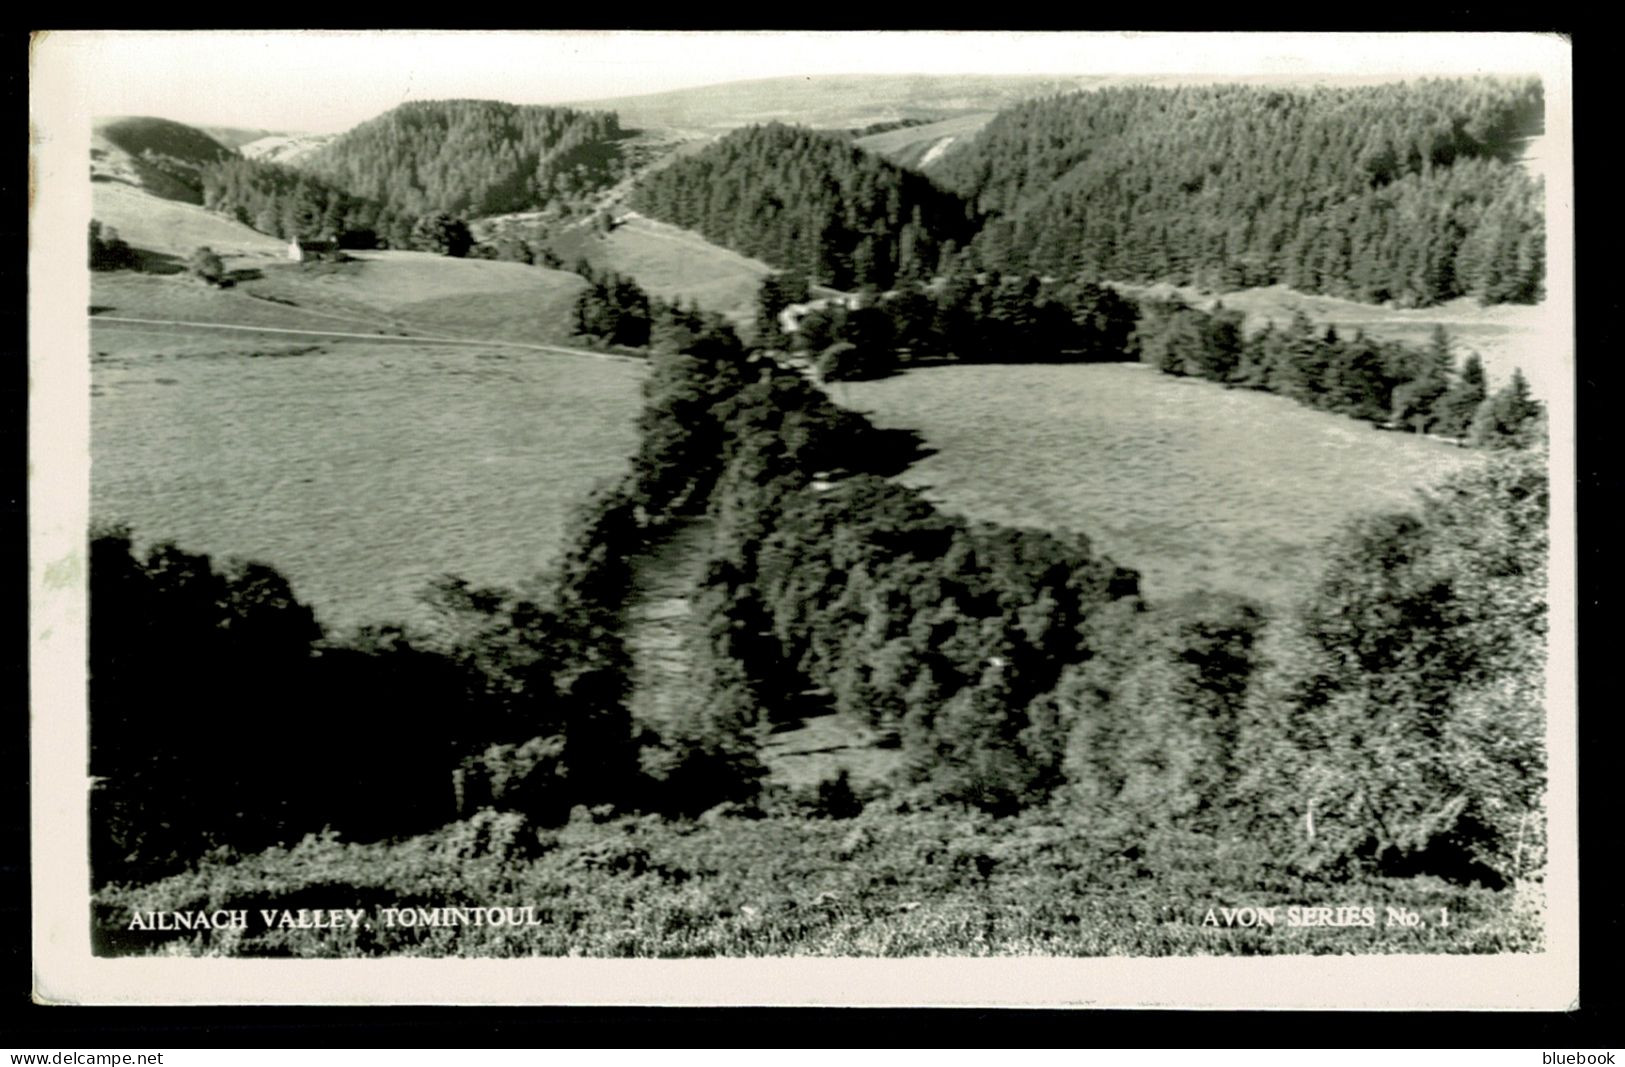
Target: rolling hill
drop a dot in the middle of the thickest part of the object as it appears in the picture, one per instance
(851, 101)
(288, 149)
(671, 263)
(142, 135)
(157, 155)
(171, 228)
(314, 416)
(810, 202)
(834, 101)
(237, 136)
(473, 157)
(1407, 192)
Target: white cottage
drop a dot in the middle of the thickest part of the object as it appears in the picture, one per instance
(301, 249)
(790, 318)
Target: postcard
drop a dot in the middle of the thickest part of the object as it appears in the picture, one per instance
(827, 518)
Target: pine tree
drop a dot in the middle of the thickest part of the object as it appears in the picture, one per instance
(777, 292)
(1453, 416)
(443, 233)
(1509, 419)
(1416, 400)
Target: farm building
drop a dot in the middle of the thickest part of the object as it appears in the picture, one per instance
(303, 248)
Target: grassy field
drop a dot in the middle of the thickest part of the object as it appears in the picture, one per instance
(889, 882)
(379, 291)
(359, 469)
(177, 298)
(1532, 338)
(671, 263)
(1194, 485)
(172, 227)
(389, 293)
(921, 146)
(423, 293)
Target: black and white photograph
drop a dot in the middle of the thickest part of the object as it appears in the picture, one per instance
(803, 517)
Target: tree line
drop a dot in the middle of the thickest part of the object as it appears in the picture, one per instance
(965, 316)
(1383, 382)
(292, 204)
(109, 251)
(287, 203)
(811, 203)
(1406, 192)
(612, 309)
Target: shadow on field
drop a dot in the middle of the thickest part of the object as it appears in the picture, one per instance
(894, 451)
(150, 262)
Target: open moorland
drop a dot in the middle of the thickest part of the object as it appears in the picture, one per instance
(1194, 485)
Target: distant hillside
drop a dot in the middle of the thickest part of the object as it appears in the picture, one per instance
(163, 157)
(835, 101)
(852, 101)
(287, 149)
(1402, 192)
(161, 137)
(809, 202)
(926, 146)
(237, 136)
(474, 157)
